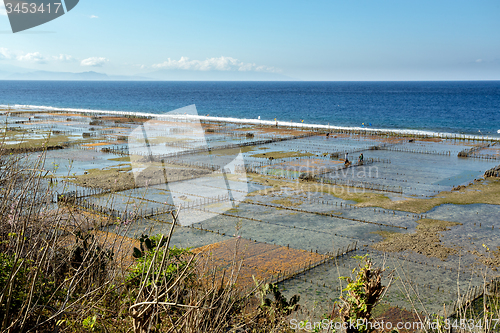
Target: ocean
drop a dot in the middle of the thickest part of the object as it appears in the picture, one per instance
(455, 107)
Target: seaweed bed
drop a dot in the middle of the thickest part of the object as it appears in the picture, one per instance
(392, 204)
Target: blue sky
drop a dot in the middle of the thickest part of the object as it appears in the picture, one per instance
(304, 40)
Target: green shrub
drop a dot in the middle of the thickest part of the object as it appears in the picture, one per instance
(11, 293)
(363, 293)
(153, 248)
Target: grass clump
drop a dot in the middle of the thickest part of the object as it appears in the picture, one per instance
(481, 191)
(426, 240)
(286, 202)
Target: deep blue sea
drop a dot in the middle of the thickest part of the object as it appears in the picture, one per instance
(456, 107)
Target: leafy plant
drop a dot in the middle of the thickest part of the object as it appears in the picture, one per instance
(90, 323)
(11, 285)
(274, 311)
(148, 244)
(152, 249)
(280, 304)
(363, 293)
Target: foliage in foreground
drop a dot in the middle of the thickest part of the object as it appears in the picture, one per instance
(57, 274)
(363, 293)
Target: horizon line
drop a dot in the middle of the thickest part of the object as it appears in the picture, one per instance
(156, 80)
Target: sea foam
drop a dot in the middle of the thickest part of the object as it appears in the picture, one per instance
(297, 125)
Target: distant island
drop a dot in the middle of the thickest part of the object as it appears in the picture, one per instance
(19, 73)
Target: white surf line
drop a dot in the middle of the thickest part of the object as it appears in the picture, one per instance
(186, 117)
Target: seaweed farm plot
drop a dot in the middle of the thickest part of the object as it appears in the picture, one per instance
(259, 260)
(224, 140)
(415, 286)
(330, 222)
(436, 147)
(213, 194)
(71, 161)
(311, 147)
(482, 215)
(297, 238)
(122, 203)
(223, 217)
(185, 237)
(478, 230)
(209, 187)
(323, 144)
(296, 168)
(250, 133)
(73, 126)
(281, 198)
(424, 176)
(382, 217)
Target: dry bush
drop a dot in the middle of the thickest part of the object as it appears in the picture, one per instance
(197, 298)
(59, 279)
(43, 279)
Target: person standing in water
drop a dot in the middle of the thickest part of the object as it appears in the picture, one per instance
(346, 162)
(360, 158)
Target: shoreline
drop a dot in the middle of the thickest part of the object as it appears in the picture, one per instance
(300, 126)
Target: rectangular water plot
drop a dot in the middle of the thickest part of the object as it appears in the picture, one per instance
(415, 287)
(275, 234)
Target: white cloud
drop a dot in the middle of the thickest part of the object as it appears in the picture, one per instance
(64, 58)
(479, 60)
(213, 64)
(35, 57)
(32, 57)
(94, 16)
(94, 61)
(5, 53)
(2, 10)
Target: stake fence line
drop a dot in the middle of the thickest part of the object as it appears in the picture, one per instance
(327, 214)
(417, 151)
(294, 175)
(290, 274)
(484, 156)
(273, 223)
(189, 150)
(468, 152)
(362, 185)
